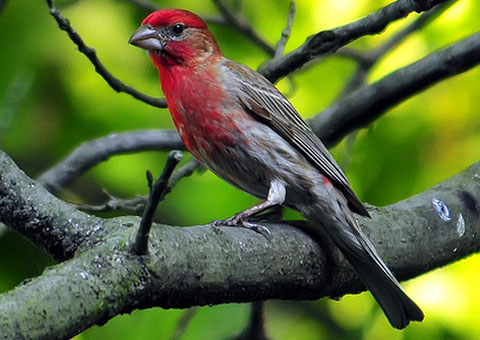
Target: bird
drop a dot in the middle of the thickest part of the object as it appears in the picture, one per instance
(242, 128)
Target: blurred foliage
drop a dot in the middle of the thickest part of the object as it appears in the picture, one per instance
(51, 100)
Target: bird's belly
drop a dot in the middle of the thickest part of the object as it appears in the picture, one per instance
(255, 157)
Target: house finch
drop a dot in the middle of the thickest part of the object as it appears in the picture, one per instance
(242, 128)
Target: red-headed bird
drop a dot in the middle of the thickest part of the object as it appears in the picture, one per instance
(236, 123)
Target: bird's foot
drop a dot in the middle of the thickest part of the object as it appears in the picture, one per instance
(239, 220)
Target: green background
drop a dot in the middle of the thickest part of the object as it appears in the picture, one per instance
(51, 100)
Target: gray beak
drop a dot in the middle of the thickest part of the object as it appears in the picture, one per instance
(148, 38)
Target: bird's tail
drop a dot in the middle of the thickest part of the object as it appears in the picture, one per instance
(371, 269)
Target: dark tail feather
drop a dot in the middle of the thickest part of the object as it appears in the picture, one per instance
(374, 273)
(378, 278)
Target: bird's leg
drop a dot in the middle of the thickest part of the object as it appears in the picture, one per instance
(276, 196)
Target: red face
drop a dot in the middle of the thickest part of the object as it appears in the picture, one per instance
(175, 37)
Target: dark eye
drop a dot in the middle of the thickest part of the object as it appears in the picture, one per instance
(178, 28)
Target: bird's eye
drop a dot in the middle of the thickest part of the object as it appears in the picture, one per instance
(178, 28)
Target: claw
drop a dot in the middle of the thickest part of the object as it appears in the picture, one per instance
(237, 221)
(215, 223)
(258, 228)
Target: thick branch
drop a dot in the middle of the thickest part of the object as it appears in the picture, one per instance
(329, 41)
(366, 104)
(90, 153)
(207, 265)
(47, 221)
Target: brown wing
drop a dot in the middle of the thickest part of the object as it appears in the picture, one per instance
(260, 97)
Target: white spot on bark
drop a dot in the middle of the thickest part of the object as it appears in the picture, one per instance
(84, 274)
(461, 225)
(442, 209)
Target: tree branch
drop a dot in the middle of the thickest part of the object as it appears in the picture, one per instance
(209, 265)
(366, 61)
(280, 47)
(136, 205)
(243, 27)
(329, 41)
(90, 153)
(255, 329)
(47, 221)
(157, 191)
(90, 53)
(366, 104)
(183, 323)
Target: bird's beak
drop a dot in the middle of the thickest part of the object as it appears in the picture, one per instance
(148, 38)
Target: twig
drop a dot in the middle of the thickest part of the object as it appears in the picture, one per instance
(183, 323)
(363, 59)
(366, 104)
(243, 27)
(134, 206)
(280, 48)
(90, 53)
(255, 329)
(184, 171)
(367, 60)
(98, 150)
(156, 192)
(418, 24)
(137, 204)
(329, 41)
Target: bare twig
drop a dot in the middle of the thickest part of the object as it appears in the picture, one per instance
(136, 205)
(243, 27)
(156, 192)
(326, 42)
(418, 24)
(256, 325)
(183, 323)
(184, 171)
(280, 48)
(90, 53)
(367, 60)
(98, 150)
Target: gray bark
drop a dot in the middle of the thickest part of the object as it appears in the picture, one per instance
(187, 266)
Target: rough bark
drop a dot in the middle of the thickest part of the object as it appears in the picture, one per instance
(201, 265)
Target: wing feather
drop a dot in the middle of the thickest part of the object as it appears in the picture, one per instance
(262, 99)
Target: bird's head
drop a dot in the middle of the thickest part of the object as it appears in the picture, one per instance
(175, 37)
